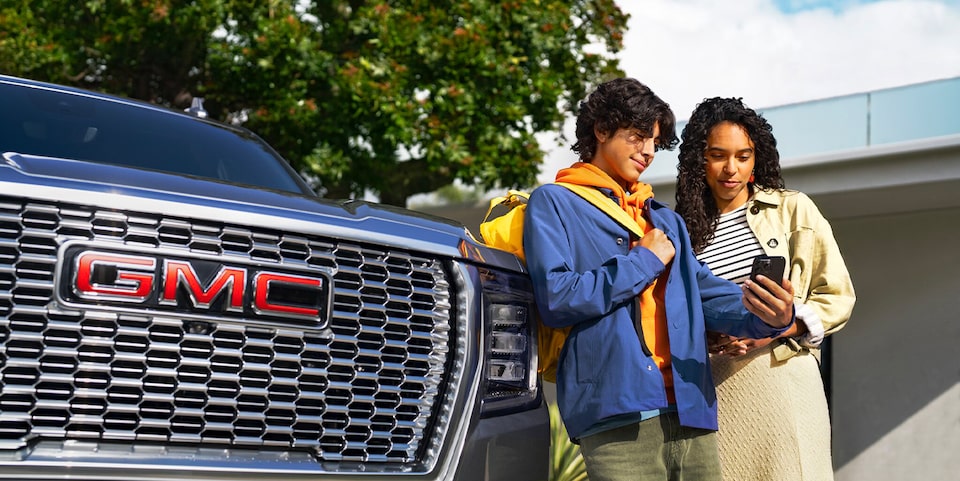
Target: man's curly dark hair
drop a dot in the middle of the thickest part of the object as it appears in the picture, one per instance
(695, 202)
(623, 103)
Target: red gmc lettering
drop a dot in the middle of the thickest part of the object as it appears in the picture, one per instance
(134, 275)
(263, 282)
(177, 272)
(109, 276)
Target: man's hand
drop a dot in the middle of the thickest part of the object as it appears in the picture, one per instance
(774, 304)
(658, 243)
(724, 345)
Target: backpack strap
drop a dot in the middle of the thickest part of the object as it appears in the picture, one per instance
(604, 203)
(511, 200)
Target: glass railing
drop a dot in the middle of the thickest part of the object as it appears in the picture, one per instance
(899, 114)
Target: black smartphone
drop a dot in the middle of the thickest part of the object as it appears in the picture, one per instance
(771, 267)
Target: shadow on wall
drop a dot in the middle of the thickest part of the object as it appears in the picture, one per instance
(898, 353)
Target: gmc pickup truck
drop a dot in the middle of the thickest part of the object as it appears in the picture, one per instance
(176, 304)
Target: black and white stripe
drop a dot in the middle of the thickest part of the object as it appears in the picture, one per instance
(730, 254)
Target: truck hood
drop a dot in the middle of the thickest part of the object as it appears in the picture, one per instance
(126, 188)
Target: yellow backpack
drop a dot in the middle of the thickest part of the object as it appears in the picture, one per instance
(506, 232)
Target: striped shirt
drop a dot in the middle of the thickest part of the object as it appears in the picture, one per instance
(730, 254)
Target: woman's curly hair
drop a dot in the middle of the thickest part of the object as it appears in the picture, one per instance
(622, 103)
(695, 202)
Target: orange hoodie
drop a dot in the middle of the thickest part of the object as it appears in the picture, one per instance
(653, 316)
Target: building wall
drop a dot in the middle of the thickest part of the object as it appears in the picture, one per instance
(896, 366)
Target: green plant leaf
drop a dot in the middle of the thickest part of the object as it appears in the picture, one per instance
(566, 462)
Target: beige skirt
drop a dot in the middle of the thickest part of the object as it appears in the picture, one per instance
(774, 424)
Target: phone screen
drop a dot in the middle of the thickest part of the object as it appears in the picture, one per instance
(771, 267)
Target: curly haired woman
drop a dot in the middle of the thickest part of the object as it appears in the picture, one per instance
(773, 417)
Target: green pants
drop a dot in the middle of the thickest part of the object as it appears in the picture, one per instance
(658, 449)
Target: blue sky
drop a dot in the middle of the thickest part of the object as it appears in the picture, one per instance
(794, 6)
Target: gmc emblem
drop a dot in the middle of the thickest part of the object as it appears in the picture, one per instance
(203, 287)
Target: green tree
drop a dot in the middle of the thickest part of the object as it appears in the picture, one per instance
(396, 97)
(152, 50)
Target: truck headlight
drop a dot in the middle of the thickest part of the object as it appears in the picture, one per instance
(510, 357)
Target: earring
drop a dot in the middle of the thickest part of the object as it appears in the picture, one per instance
(751, 179)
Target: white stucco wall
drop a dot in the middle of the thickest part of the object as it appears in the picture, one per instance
(896, 365)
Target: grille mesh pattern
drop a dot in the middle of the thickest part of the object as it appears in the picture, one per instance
(366, 390)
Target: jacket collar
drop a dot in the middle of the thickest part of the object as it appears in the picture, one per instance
(768, 197)
(654, 208)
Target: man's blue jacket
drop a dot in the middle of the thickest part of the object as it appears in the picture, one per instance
(585, 275)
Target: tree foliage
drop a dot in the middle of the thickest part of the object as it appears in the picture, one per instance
(397, 97)
(149, 50)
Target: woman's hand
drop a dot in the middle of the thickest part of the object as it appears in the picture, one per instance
(771, 302)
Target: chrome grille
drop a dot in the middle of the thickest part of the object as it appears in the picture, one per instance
(364, 390)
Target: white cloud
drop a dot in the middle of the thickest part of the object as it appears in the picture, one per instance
(688, 50)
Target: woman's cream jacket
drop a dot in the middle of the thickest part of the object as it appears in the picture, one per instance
(787, 223)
